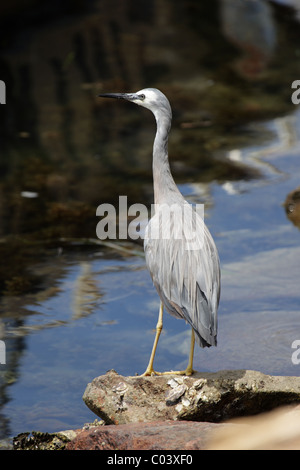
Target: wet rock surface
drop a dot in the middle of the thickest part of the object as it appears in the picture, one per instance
(275, 430)
(209, 397)
(157, 435)
(278, 429)
(42, 440)
(183, 413)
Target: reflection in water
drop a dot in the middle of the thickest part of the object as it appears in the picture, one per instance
(295, 4)
(284, 140)
(249, 25)
(70, 313)
(86, 293)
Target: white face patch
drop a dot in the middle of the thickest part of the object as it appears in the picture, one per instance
(150, 97)
(149, 94)
(155, 101)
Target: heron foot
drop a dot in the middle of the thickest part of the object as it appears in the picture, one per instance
(150, 371)
(187, 371)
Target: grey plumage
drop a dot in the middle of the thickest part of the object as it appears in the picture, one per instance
(187, 281)
(180, 252)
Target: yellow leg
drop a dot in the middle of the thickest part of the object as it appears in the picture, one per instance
(189, 370)
(150, 370)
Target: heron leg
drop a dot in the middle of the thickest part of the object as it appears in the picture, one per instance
(150, 370)
(189, 370)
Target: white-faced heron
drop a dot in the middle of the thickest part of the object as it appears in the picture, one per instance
(180, 252)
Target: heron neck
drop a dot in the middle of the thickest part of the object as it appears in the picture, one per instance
(165, 189)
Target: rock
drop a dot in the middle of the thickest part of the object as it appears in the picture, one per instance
(275, 430)
(210, 397)
(37, 440)
(6, 444)
(42, 440)
(183, 413)
(158, 435)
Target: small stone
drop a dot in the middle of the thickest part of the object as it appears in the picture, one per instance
(199, 383)
(173, 383)
(173, 395)
(185, 402)
(120, 388)
(202, 397)
(68, 434)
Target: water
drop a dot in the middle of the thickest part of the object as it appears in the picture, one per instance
(72, 309)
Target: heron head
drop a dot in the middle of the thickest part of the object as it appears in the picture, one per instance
(149, 98)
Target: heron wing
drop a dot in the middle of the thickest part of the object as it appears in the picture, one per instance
(184, 266)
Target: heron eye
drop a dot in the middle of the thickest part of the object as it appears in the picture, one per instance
(142, 97)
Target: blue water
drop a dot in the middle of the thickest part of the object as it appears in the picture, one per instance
(97, 308)
(102, 312)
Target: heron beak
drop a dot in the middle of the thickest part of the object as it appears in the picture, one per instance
(121, 96)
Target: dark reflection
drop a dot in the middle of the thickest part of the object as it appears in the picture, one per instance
(73, 152)
(292, 207)
(14, 310)
(67, 112)
(63, 151)
(8, 376)
(250, 26)
(26, 110)
(80, 55)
